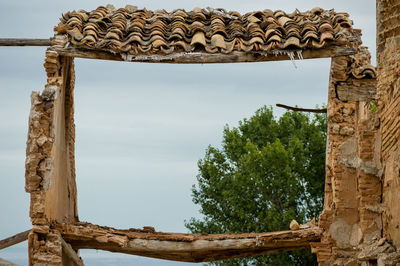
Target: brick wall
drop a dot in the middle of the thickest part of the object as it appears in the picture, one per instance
(352, 190)
(388, 59)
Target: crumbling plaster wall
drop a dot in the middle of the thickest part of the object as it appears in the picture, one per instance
(50, 165)
(352, 219)
(361, 216)
(388, 60)
(50, 173)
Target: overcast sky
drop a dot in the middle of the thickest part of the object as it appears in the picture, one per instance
(141, 128)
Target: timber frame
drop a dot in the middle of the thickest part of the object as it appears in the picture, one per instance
(57, 234)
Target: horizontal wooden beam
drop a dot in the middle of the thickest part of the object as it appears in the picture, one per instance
(355, 90)
(13, 240)
(301, 109)
(185, 247)
(24, 42)
(204, 58)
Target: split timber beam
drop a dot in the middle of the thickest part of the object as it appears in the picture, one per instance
(185, 247)
(204, 58)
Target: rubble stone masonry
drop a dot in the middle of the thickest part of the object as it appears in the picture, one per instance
(50, 162)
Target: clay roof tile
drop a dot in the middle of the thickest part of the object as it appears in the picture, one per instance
(132, 30)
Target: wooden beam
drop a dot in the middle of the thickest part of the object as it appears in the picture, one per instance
(354, 90)
(70, 253)
(185, 247)
(13, 240)
(24, 42)
(301, 109)
(203, 58)
(4, 262)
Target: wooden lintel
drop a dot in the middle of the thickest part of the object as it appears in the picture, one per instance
(24, 42)
(13, 240)
(185, 247)
(70, 253)
(203, 58)
(354, 90)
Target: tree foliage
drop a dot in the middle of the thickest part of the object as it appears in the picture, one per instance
(267, 172)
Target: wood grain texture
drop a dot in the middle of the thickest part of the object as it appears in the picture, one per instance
(13, 240)
(24, 42)
(185, 247)
(205, 58)
(357, 91)
(70, 253)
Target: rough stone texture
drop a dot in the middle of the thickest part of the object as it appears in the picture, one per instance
(388, 100)
(40, 139)
(45, 249)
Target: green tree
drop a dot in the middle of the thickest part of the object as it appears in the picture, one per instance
(268, 172)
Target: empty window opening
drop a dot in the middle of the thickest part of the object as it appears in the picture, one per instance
(141, 128)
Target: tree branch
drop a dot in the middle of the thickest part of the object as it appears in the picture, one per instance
(301, 109)
(15, 239)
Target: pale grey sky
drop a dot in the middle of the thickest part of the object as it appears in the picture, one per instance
(141, 128)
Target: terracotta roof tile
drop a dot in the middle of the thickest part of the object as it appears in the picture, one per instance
(139, 31)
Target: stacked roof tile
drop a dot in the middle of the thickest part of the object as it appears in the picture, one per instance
(361, 67)
(136, 31)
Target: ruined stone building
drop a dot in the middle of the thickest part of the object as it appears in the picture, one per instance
(361, 218)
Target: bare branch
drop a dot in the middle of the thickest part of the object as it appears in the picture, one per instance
(301, 109)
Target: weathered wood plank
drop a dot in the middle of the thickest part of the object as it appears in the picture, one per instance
(204, 58)
(71, 254)
(186, 247)
(13, 240)
(4, 262)
(357, 90)
(24, 42)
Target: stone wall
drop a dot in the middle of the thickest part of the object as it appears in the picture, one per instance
(361, 216)
(45, 247)
(50, 162)
(351, 218)
(50, 165)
